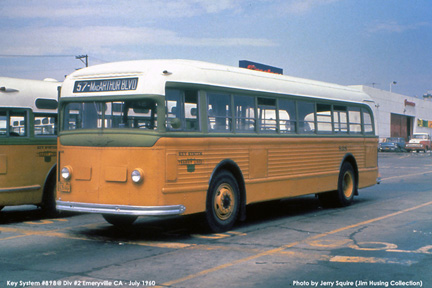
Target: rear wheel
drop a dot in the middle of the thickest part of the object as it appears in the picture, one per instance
(347, 187)
(120, 220)
(223, 202)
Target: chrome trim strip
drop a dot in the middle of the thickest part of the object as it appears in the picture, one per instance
(21, 189)
(120, 209)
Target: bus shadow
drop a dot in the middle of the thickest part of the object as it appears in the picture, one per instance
(192, 228)
(26, 213)
(274, 210)
(184, 228)
(148, 229)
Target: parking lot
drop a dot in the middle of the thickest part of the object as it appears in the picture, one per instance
(383, 240)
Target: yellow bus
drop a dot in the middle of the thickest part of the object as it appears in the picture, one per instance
(170, 137)
(28, 142)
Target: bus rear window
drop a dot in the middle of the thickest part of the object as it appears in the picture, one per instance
(367, 121)
(139, 114)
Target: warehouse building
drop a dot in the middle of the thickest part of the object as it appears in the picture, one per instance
(399, 115)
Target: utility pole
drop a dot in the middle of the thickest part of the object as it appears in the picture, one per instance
(392, 83)
(81, 57)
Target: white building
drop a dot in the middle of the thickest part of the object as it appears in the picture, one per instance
(398, 115)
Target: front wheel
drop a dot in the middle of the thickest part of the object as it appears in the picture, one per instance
(120, 220)
(223, 202)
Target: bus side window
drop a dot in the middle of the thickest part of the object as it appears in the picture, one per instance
(340, 118)
(191, 109)
(324, 119)
(287, 116)
(182, 110)
(173, 109)
(244, 113)
(306, 117)
(354, 118)
(45, 125)
(3, 123)
(219, 112)
(17, 124)
(267, 115)
(367, 122)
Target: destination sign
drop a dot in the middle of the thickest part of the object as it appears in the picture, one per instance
(106, 85)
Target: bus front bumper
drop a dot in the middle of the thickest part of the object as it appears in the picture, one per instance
(120, 209)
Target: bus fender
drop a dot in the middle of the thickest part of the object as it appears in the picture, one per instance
(232, 167)
(351, 159)
(50, 180)
(51, 173)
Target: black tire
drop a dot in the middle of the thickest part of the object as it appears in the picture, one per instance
(347, 188)
(49, 196)
(223, 202)
(120, 220)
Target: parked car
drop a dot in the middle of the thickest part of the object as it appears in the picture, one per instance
(419, 142)
(393, 144)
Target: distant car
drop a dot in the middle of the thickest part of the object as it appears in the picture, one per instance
(419, 142)
(392, 144)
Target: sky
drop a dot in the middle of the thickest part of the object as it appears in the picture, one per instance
(348, 42)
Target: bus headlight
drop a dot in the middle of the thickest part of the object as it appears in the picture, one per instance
(66, 172)
(137, 175)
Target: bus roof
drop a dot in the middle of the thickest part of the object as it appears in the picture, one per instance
(154, 74)
(24, 93)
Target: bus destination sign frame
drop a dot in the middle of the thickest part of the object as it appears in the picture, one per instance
(260, 67)
(106, 85)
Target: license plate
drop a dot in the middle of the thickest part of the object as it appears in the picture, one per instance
(65, 187)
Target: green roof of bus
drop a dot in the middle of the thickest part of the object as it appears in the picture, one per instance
(154, 74)
(22, 93)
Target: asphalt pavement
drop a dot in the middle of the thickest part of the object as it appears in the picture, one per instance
(383, 240)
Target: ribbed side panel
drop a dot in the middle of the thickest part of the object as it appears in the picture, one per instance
(210, 159)
(302, 159)
(285, 157)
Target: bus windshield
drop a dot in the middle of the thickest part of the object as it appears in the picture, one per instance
(111, 115)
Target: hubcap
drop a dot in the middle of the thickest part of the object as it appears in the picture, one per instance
(348, 184)
(224, 201)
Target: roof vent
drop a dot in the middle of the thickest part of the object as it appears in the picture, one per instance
(4, 89)
(166, 73)
(50, 80)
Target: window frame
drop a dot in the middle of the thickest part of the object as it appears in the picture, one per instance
(183, 119)
(340, 126)
(8, 113)
(45, 115)
(103, 113)
(229, 115)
